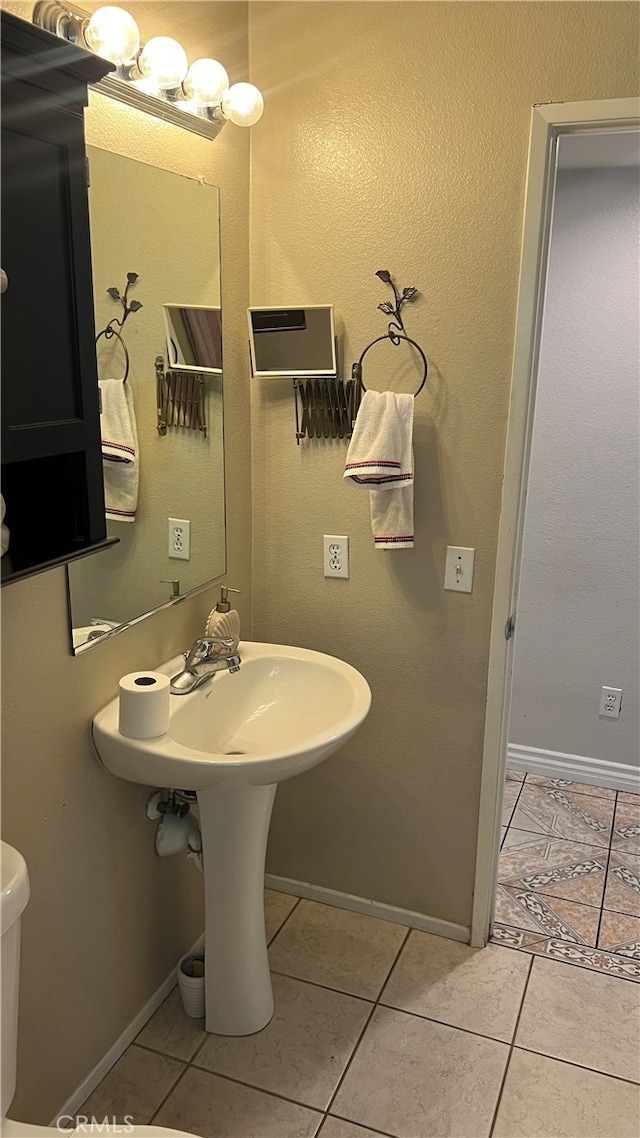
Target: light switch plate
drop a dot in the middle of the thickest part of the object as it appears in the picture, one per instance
(458, 568)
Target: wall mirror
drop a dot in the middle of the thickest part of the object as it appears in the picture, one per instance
(292, 341)
(194, 338)
(165, 228)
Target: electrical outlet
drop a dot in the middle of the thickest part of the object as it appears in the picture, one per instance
(336, 556)
(611, 702)
(179, 539)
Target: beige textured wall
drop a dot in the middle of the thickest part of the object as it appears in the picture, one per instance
(107, 919)
(397, 138)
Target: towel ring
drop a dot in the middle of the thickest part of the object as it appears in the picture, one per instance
(108, 334)
(395, 339)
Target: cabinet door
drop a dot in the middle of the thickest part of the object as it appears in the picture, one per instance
(48, 354)
(50, 416)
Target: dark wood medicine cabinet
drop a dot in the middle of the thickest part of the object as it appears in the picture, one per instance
(52, 479)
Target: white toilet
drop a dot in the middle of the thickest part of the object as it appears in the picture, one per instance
(14, 895)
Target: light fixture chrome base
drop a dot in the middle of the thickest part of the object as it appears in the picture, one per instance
(164, 109)
(62, 20)
(68, 22)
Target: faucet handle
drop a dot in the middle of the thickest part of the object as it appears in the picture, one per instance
(201, 648)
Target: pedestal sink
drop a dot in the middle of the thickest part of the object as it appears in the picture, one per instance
(232, 741)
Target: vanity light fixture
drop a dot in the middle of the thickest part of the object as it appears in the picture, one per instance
(154, 77)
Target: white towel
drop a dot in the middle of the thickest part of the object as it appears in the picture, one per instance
(380, 459)
(120, 459)
(4, 530)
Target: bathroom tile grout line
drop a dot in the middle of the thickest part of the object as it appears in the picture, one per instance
(579, 1066)
(238, 1083)
(287, 918)
(606, 872)
(511, 1047)
(373, 1129)
(368, 1021)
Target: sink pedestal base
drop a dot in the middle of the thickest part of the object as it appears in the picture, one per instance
(235, 826)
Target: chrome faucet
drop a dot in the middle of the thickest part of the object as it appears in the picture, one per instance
(202, 661)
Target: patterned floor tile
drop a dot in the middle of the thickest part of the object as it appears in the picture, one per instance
(574, 787)
(555, 866)
(561, 814)
(620, 933)
(515, 938)
(515, 776)
(626, 828)
(627, 796)
(547, 916)
(584, 956)
(622, 894)
(511, 791)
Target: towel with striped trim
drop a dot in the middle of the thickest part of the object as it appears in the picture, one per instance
(380, 460)
(120, 459)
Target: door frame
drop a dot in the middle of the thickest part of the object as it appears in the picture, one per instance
(549, 121)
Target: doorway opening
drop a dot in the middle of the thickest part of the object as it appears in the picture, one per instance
(557, 869)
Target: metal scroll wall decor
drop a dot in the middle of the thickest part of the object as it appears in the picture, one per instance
(396, 333)
(115, 326)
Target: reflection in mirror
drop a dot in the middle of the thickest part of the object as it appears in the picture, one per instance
(292, 341)
(165, 228)
(194, 338)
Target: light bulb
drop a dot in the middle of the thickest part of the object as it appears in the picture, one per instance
(113, 34)
(164, 62)
(243, 104)
(206, 82)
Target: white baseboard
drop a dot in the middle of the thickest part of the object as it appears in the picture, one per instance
(369, 908)
(578, 768)
(89, 1084)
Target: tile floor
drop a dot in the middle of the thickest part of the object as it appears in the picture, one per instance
(569, 873)
(383, 1031)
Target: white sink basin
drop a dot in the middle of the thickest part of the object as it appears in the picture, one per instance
(233, 740)
(283, 712)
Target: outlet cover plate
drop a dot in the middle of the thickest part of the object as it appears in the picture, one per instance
(336, 555)
(179, 539)
(610, 702)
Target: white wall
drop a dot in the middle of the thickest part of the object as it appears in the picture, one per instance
(577, 622)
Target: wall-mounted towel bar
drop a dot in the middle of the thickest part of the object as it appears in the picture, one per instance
(127, 308)
(396, 331)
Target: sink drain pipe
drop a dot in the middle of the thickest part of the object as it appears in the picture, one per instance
(178, 830)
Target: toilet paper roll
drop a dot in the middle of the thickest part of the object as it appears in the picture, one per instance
(143, 711)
